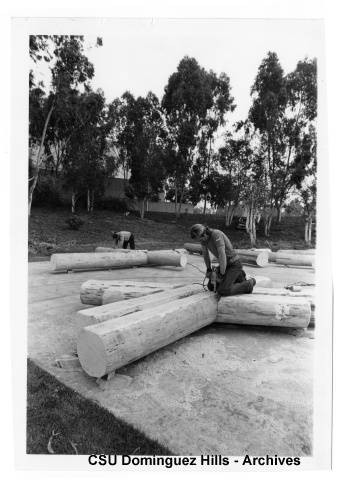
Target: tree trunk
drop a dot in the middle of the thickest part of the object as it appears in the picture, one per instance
(268, 222)
(92, 200)
(38, 161)
(180, 202)
(74, 200)
(308, 230)
(176, 199)
(229, 213)
(142, 208)
(251, 225)
(279, 214)
(88, 200)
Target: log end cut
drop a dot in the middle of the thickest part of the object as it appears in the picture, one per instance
(91, 350)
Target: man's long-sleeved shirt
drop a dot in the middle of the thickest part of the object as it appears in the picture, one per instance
(219, 244)
(122, 236)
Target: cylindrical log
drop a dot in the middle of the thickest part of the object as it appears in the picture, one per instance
(63, 262)
(107, 346)
(92, 291)
(110, 249)
(275, 310)
(306, 292)
(298, 260)
(253, 257)
(166, 258)
(262, 282)
(193, 248)
(271, 255)
(310, 251)
(108, 311)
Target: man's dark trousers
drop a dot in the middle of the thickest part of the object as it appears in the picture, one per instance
(129, 242)
(233, 281)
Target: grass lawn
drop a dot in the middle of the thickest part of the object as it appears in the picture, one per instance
(48, 232)
(52, 407)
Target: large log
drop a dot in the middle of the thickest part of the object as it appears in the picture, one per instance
(262, 282)
(253, 257)
(310, 251)
(268, 310)
(108, 311)
(172, 258)
(110, 249)
(107, 346)
(306, 292)
(92, 291)
(271, 255)
(166, 258)
(298, 260)
(193, 248)
(63, 262)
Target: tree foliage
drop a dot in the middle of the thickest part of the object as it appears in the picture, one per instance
(195, 102)
(282, 111)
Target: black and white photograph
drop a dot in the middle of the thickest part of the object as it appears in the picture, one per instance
(178, 310)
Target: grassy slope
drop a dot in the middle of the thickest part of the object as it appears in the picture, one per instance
(53, 407)
(49, 233)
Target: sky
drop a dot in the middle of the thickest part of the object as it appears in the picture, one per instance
(140, 55)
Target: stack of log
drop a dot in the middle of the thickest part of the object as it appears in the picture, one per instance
(118, 258)
(260, 257)
(113, 335)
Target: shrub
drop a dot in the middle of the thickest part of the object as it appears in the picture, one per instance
(74, 222)
(41, 248)
(47, 192)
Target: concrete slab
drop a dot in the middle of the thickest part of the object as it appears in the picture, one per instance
(224, 390)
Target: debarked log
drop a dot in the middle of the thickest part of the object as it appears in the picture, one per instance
(297, 260)
(63, 262)
(253, 257)
(262, 282)
(108, 311)
(306, 293)
(193, 248)
(267, 310)
(107, 346)
(309, 251)
(166, 258)
(110, 249)
(92, 292)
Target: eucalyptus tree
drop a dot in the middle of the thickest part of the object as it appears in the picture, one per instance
(283, 108)
(195, 102)
(85, 168)
(140, 138)
(69, 68)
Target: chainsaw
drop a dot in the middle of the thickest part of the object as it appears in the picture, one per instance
(214, 278)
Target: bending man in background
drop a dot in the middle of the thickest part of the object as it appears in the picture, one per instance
(123, 240)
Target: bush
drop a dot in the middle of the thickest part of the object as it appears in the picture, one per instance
(47, 192)
(116, 204)
(41, 248)
(74, 222)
